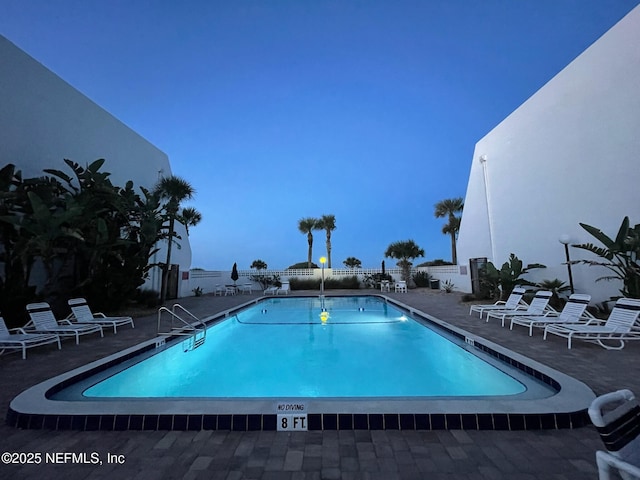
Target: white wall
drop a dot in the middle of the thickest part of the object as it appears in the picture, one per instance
(569, 154)
(45, 120)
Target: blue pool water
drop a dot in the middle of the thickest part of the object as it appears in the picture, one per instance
(283, 348)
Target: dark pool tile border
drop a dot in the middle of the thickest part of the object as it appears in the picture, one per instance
(316, 421)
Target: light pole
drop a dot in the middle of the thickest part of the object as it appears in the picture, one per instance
(323, 260)
(565, 239)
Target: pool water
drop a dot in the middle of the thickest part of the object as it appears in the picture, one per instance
(282, 347)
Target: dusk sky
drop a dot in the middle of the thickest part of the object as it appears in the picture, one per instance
(279, 110)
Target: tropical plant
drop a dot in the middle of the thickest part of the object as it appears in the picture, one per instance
(621, 256)
(502, 282)
(307, 226)
(448, 286)
(328, 224)
(352, 262)
(190, 217)
(421, 278)
(448, 208)
(556, 287)
(404, 252)
(259, 265)
(173, 191)
(197, 291)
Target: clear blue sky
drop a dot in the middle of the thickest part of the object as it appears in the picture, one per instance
(278, 110)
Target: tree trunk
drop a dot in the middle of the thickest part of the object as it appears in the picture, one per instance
(454, 253)
(310, 253)
(167, 266)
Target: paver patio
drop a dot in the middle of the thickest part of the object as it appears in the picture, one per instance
(353, 454)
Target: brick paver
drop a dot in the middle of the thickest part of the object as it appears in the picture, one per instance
(385, 455)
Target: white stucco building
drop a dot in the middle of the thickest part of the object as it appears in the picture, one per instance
(44, 120)
(569, 154)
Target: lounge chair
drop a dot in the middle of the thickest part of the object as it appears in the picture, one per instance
(539, 305)
(620, 326)
(616, 416)
(218, 290)
(514, 302)
(43, 320)
(284, 289)
(270, 290)
(246, 288)
(401, 286)
(574, 311)
(21, 340)
(82, 314)
(385, 286)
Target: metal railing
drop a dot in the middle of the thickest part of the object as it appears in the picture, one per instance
(197, 332)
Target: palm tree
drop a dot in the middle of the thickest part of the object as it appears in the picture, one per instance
(404, 251)
(352, 262)
(449, 208)
(190, 217)
(173, 190)
(307, 225)
(328, 224)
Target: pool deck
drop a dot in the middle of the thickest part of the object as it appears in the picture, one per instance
(353, 454)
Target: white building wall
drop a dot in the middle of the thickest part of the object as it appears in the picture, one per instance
(45, 120)
(569, 154)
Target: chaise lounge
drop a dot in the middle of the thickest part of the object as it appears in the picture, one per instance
(574, 311)
(82, 314)
(43, 320)
(21, 340)
(620, 326)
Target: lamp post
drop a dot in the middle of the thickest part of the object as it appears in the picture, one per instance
(323, 260)
(565, 239)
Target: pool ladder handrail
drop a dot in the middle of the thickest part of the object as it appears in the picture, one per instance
(192, 330)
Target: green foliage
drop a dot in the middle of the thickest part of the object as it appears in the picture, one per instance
(331, 283)
(352, 262)
(259, 265)
(94, 239)
(434, 263)
(448, 286)
(350, 282)
(404, 251)
(556, 287)
(507, 278)
(302, 265)
(266, 281)
(621, 256)
(304, 283)
(197, 291)
(421, 279)
(374, 280)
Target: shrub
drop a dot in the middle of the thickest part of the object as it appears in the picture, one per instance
(300, 265)
(197, 291)
(350, 282)
(148, 298)
(304, 283)
(421, 279)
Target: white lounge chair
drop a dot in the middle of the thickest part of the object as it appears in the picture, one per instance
(575, 310)
(514, 302)
(246, 288)
(616, 416)
(82, 314)
(218, 290)
(284, 289)
(385, 286)
(21, 340)
(620, 326)
(539, 305)
(43, 320)
(401, 286)
(270, 290)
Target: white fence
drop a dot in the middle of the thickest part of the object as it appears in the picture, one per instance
(207, 280)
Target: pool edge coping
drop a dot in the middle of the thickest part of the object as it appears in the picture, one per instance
(565, 409)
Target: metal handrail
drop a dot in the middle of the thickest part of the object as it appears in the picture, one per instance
(204, 325)
(187, 324)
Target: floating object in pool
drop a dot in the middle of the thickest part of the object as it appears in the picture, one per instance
(324, 316)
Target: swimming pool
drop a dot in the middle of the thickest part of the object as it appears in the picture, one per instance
(282, 348)
(371, 362)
